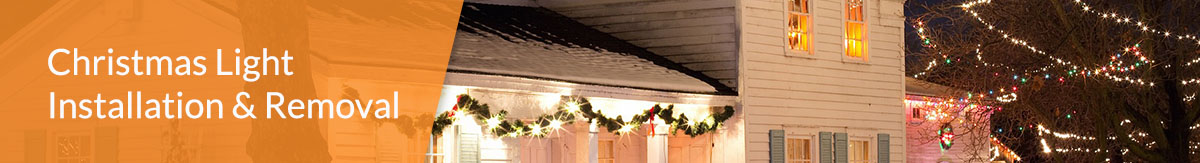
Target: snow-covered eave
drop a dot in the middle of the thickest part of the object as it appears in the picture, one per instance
(920, 87)
(541, 86)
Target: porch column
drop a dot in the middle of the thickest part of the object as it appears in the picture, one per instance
(593, 144)
(656, 145)
(589, 145)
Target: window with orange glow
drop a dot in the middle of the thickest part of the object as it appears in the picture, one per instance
(859, 152)
(799, 37)
(856, 44)
(799, 150)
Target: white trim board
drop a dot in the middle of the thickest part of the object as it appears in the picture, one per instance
(546, 86)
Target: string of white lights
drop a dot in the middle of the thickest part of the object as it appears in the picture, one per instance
(1190, 81)
(1062, 135)
(1145, 27)
(1194, 61)
(1046, 148)
(996, 150)
(1058, 61)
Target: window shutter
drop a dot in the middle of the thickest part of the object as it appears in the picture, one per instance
(826, 147)
(840, 152)
(778, 146)
(468, 147)
(884, 152)
(35, 146)
(106, 144)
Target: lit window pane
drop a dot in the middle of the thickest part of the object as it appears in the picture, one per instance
(859, 152)
(855, 44)
(73, 149)
(798, 37)
(798, 151)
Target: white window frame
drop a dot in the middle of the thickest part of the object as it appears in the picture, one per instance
(868, 143)
(437, 154)
(788, 29)
(812, 148)
(866, 11)
(91, 146)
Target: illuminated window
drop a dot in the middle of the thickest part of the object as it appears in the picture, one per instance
(856, 45)
(799, 151)
(858, 152)
(73, 149)
(605, 151)
(799, 37)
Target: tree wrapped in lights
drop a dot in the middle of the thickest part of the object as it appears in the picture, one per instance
(1084, 81)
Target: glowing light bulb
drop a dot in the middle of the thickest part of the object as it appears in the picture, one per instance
(492, 122)
(572, 107)
(536, 130)
(556, 124)
(626, 128)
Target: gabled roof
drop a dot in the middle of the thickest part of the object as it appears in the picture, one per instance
(914, 86)
(534, 42)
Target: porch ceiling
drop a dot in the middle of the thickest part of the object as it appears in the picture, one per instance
(699, 34)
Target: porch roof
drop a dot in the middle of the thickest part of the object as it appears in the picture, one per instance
(913, 86)
(536, 43)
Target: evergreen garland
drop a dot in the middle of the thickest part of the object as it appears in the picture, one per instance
(567, 112)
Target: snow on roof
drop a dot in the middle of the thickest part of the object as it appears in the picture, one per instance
(540, 44)
(914, 86)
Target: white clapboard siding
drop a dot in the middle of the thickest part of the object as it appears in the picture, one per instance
(352, 140)
(699, 34)
(821, 92)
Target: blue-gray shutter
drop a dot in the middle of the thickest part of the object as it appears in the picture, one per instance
(106, 144)
(35, 146)
(778, 143)
(468, 147)
(884, 155)
(840, 152)
(826, 147)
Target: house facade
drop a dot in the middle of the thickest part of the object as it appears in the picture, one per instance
(941, 129)
(809, 81)
(812, 81)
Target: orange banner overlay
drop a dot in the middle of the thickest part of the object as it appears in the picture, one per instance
(222, 80)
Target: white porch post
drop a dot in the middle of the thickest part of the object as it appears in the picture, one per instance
(588, 143)
(593, 144)
(656, 146)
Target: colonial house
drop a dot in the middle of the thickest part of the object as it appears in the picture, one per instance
(808, 81)
(528, 61)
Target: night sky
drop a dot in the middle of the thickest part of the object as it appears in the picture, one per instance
(912, 42)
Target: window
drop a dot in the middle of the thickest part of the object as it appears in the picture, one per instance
(799, 37)
(916, 113)
(73, 149)
(855, 29)
(435, 155)
(799, 150)
(605, 153)
(858, 152)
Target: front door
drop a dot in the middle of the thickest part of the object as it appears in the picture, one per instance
(536, 150)
(686, 149)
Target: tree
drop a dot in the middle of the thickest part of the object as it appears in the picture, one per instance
(279, 25)
(1079, 81)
